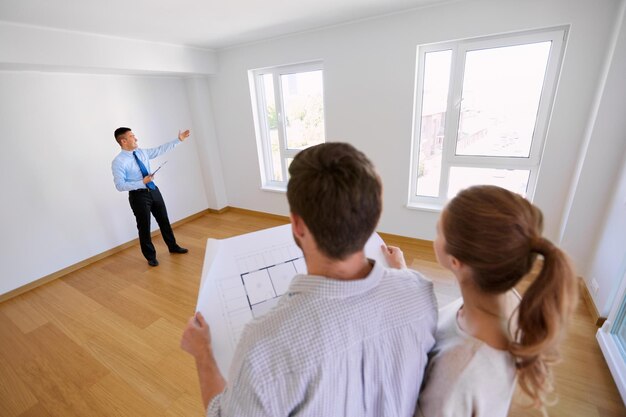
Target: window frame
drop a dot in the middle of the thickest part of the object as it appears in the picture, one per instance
(459, 49)
(257, 93)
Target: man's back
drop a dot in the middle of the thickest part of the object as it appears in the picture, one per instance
(351, 339)
(336, 348)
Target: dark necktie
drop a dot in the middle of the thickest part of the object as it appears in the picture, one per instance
(144, 171)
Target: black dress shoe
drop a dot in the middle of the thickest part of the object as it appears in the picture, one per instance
(178, 249)
(153, 262)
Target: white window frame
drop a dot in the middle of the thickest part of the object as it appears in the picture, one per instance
(257, 93)
(449, 159)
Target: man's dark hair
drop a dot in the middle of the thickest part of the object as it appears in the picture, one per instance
(119, 132)
(335, 189)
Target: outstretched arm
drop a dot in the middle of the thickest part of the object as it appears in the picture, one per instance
(196, 341)
(160, 150)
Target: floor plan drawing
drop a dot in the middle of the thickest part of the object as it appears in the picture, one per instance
(262, 278)
(243, 277)
(265, 285)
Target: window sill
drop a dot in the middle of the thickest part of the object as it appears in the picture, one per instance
(274, 188)
(430, 207)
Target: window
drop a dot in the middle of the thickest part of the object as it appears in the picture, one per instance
(288, 103)
(481, 113)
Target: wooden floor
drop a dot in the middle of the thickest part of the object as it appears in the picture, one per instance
(104, 340)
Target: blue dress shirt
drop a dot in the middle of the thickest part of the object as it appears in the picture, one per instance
(126, 173)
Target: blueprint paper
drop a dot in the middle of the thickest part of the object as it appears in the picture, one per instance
(244, 276)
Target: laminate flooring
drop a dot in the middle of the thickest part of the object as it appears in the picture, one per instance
(104, 340)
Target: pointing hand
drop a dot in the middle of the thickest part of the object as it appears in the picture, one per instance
(183, 135)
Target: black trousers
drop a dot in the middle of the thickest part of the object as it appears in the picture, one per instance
(144, 202)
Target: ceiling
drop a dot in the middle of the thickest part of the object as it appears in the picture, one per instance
(201, 23)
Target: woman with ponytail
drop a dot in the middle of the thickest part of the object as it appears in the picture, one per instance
(490, 239)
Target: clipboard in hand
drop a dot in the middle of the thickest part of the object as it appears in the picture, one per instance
(156, 170)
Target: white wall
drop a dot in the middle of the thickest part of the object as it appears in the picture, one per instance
(59, 204)
(208, 148)
(369, 81)
(608, 263)
(598, 209)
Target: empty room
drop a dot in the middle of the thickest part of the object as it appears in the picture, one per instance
(307, 208)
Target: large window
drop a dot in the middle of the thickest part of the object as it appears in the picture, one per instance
(481, 113)
(288, 103)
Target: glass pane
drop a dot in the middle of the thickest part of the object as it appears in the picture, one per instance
(500, 99)
(434, 104)
(303, 101)
(272, 127)
(618, 329)
(515, 180)
(288, 162)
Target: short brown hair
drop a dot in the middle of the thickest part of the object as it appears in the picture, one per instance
(119, 132)
(335, 189)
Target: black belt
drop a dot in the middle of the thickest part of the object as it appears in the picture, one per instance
(141, 190)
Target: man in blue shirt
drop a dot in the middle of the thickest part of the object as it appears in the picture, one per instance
(131, 172)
